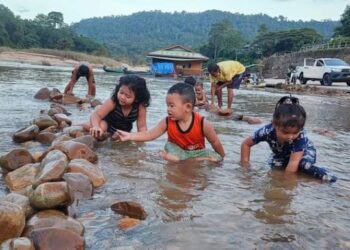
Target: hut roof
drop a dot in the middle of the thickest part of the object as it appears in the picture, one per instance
(177, 53)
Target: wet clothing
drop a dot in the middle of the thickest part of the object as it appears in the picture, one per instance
(187, 154)
(192, 138)
(116, 119)
(281, 153)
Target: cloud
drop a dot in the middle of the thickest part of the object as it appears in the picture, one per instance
(22, 10)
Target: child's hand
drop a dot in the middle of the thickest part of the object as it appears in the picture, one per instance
(96, 132)
(123, 136)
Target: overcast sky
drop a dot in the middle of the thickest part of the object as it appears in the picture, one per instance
(75, 10)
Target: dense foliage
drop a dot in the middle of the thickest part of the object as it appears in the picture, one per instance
(344, 29)
(45, 31)
(134, 35)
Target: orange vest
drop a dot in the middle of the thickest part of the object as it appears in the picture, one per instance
(192, 139)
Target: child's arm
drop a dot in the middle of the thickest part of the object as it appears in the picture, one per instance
(294, 161)
(91, 83)
(98, 115)
(141, 119)
(212, 137)
(245, 151)
(144, 135)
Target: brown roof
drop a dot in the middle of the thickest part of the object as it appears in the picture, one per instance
(177, 53)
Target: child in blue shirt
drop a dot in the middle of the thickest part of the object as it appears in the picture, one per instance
(291, 149)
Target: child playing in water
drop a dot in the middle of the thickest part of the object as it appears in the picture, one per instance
(291, 149)
(128, 103)
(186, 129)
(201, 98)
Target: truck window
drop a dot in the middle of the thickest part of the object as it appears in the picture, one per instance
(319, 63)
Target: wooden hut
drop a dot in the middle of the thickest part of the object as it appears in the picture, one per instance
(176, 60)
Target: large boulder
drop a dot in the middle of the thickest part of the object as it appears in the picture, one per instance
(76, 150)
(12, 221)
(50, 195)
(92, 171)
(79, 184)
(22, 201)
(129, 208)
(14, 159)
(53, 155)
(45, 137)
(52, 218)
(42, 94)
(88, 140)
(22, 177)
(52, 171)
(70, 99)
(57, 239)
(25, 134)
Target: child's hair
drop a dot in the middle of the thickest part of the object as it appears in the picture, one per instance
(83, 70)
(289, 113)
(137, 85)
(185, 91)
(199, 84)
(213, 67)
(190, 80)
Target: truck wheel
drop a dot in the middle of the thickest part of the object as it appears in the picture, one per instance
(302, 79)
(321, 81)
(348, 83)
(327, 80)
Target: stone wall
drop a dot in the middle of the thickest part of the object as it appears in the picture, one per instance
(277, 66)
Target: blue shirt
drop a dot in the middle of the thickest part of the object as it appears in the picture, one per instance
(268, 134)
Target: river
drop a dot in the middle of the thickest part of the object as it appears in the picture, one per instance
(200, 205)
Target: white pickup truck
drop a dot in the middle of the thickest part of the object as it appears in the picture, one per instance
(325, 70)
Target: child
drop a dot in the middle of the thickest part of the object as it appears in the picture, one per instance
(291, 149)
(186, 129)
(82, 69)
(201, 98)
(128, 103)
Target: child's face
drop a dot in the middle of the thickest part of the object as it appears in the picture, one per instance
(126, 96)
(176, 107)
(287, 134)
(215, 73)
(198, 89)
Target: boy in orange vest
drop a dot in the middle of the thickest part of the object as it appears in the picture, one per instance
(187, 130)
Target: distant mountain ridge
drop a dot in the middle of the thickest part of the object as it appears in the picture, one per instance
(136, 34)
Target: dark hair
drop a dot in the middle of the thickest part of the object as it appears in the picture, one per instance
(137, 85)
(83, 70)
(185, 91)
(213, 67)
(190, 80)
(289, 113)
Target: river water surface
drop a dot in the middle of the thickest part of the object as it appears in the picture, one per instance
(200, 205)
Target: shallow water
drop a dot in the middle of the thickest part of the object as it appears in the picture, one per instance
(200, 205)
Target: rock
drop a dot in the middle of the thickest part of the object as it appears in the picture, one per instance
(21, 243)
(53, 155)
(95, 102)
(52, 171)
(76, 150)
(79, 184)
(73, 130)
(225, 112)
(62, 118)
(25, 134)
(13, 217)
(15, 159)
(60, 108)
(57, 239)
(45, 137)
(70, 99)
(53, 111)
(56, 95)
(38, 156)
(92, 171)
(129, 208)
(42, 94)
(88, 140)
(50, 195)
(44, 121)
(51, 129)
(22, 177)
(251, 120)
(60, 139)
(52, 219)
(127, 223)
(22, 201)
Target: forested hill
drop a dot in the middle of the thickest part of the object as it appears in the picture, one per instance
(146, 31)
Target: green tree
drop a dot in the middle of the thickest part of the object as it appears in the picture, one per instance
(344, 29)
(56, 19)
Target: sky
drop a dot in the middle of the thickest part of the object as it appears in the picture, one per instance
(76, 10)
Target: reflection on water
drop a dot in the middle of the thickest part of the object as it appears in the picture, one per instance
(200, 205)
